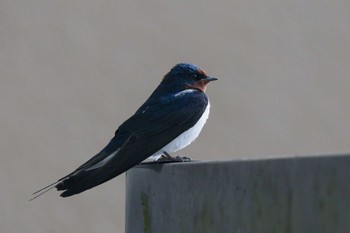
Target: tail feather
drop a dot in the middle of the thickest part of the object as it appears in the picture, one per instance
(76, 183)
(71, 184)
(44, 190)
(65, 184)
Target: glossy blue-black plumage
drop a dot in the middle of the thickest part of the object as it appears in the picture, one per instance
(167, 113)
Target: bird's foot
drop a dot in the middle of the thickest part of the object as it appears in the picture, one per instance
(183, 159)
(166, 157)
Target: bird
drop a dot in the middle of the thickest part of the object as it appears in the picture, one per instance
(170, 119)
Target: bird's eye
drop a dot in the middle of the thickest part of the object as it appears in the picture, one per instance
(195, 76)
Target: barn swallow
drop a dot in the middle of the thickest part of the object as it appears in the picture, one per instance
(170, 119)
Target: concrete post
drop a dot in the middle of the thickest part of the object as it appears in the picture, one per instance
(291, 195)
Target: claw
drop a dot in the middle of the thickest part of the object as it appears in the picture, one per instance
(166, 157)
(183, 159)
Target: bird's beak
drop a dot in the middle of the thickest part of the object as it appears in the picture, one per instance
(209, 79)
(202, 83)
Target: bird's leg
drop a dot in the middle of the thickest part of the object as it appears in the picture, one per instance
(167, 157)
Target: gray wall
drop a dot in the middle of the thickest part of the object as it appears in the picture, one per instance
(288, 195)
(72, 71)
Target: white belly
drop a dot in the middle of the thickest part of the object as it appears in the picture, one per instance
(186, 137)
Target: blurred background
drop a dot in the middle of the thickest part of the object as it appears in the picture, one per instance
(72, 71)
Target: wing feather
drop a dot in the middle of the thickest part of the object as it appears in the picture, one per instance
(152, 127)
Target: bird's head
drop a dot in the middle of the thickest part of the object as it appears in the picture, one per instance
(187, 76)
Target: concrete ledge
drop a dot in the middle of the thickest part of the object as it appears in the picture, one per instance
(301, 194)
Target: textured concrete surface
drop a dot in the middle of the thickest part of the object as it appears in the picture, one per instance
(72, 71)
(288, 195)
